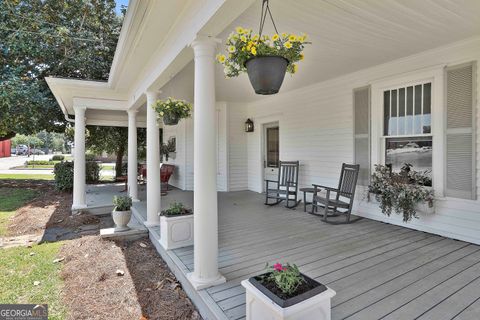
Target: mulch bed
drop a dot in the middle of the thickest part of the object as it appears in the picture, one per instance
(92, 288)
(123, 280)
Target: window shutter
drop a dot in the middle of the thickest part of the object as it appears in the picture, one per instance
(460, 132)
(361, 107)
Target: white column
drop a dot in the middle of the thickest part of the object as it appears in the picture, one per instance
(132, 155)
(153, 163)
(205, 272)
(79, 196)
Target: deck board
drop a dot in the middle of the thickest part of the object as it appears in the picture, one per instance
(379, 271)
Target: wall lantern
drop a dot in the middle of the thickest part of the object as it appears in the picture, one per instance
(249, 125)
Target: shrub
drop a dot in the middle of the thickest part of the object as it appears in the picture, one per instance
(63, 172)
(41, 162)
(89, 157)
(58, 157)
(122, 203)
(92, 172)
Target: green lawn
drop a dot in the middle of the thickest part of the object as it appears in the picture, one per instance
(110, 167)
(38, 166)
(10, 200)
(24, 176)
(19, 270)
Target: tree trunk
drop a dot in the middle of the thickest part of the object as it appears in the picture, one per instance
(119, 162)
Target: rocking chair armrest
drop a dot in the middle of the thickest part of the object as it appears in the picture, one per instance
(319, 186)
(268, 181)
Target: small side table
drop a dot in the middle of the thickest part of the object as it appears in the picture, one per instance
(305, 191)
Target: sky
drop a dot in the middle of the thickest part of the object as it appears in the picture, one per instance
(119, 5)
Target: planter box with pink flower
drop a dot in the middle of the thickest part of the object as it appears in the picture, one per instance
(285, 293)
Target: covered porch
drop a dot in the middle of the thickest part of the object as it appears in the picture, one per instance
(369, 67)
(378, 270)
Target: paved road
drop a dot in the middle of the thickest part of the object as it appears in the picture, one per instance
(15, 161)
(6, 165)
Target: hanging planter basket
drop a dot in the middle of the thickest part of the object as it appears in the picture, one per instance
(266, 74)
(170, 120)
(170, 111)
(265, 58)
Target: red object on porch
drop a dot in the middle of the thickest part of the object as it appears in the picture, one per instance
(166, 171)
(5, 148)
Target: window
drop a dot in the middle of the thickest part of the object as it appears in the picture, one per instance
(407, 126)
(272, 147)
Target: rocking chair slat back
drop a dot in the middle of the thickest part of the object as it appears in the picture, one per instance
(348, 180)
(288, 173)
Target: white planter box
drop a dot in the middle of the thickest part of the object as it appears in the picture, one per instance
(261, 307)
(423, 208)
(176, 232)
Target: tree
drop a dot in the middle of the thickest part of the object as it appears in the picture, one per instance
(40, 38)
(113, 140)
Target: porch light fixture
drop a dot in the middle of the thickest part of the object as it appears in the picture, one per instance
(249, 126)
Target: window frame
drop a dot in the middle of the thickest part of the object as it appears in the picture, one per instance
(434, 75)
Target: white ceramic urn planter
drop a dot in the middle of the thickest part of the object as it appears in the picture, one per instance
(262, 304)
(176, 231)
(121, 219)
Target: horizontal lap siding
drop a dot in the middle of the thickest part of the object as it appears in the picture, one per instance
(237, 147)
(316, 128)
(178, 131)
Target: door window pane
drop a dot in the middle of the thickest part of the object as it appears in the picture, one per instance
(272, 147)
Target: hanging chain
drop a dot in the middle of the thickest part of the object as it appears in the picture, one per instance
(263, 17)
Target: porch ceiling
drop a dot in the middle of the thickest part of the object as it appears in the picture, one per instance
(348, 36)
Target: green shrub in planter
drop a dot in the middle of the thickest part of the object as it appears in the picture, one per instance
(92, 172)
(63, 172)
(58, 157)
(122, 203)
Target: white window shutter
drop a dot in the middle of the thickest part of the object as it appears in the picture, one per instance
(361, 108)
(460, 131)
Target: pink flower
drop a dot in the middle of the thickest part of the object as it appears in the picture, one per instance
(278, 267)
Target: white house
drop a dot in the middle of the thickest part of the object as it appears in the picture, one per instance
(378, 75)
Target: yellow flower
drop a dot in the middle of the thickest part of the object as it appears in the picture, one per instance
(275, 37)
(292, 37)
(243, 38)
(301, 56)
(249, 47)
(295, 68)
(221, 58)
(240, 30)
(284, 35)
(302, 38)
(287, 45)
(254, 51)
(255, 37)
(231, 49)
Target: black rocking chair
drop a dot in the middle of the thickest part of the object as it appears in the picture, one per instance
(286, 186)
(343, 198)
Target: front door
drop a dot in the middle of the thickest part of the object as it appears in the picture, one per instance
(271, 151)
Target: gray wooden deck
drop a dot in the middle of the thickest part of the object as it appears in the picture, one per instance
(379, 271)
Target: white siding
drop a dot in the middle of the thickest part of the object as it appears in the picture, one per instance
(237, 147)
(316, 128)
(178, 179)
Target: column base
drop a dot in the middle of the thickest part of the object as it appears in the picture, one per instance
(151, 224)
(76, 207)
(199, 284)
